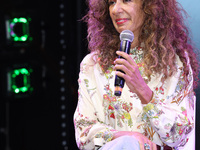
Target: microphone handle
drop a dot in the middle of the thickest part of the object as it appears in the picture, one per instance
(119, 81)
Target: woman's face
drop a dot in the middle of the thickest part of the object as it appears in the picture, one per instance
(126, 15)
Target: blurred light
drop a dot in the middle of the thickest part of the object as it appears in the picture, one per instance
(64, 134)
(19, 80)
(62, 98)
(63, 125)
(64, 143)
(18, 29)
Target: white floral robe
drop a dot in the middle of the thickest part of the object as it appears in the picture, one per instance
(167, 120)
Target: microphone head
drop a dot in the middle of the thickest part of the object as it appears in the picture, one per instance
(126, 35)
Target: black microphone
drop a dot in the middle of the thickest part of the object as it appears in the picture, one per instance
(126, 38)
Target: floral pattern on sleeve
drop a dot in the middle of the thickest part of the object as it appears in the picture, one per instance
(168, 114)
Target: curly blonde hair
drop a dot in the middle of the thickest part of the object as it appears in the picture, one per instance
(163, 33)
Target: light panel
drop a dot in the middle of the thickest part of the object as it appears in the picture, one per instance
(19, 80)
(18, 29)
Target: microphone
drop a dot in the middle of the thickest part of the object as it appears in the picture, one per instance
(126, 38)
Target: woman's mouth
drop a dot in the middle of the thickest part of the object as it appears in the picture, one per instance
(121, 20)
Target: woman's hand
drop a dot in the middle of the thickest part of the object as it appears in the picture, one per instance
(132, 76)
(143, 140)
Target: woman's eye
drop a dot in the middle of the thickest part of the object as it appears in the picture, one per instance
(127, 0)
(111, 2)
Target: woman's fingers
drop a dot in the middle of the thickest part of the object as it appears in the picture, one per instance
(127, 57)
(154, 146)
(127, 64)
(144, 142)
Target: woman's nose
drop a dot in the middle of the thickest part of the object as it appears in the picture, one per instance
(117, 8)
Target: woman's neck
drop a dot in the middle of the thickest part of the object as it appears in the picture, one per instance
(135, 40)
(134, 43)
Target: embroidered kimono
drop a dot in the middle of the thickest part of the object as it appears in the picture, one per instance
(167, 120)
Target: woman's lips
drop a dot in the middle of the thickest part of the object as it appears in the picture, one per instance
(121, 20)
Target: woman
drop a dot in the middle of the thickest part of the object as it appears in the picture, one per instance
(156, 108)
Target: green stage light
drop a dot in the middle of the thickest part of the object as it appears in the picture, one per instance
(18, 29)
(19, 80)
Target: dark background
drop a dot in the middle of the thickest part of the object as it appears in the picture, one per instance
(43, 119)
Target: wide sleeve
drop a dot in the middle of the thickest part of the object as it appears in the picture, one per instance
(171, 111)
(90, 131)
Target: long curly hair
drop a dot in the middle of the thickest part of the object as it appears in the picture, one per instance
(163, 33)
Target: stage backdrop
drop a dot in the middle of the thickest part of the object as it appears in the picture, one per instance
(193, 21)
